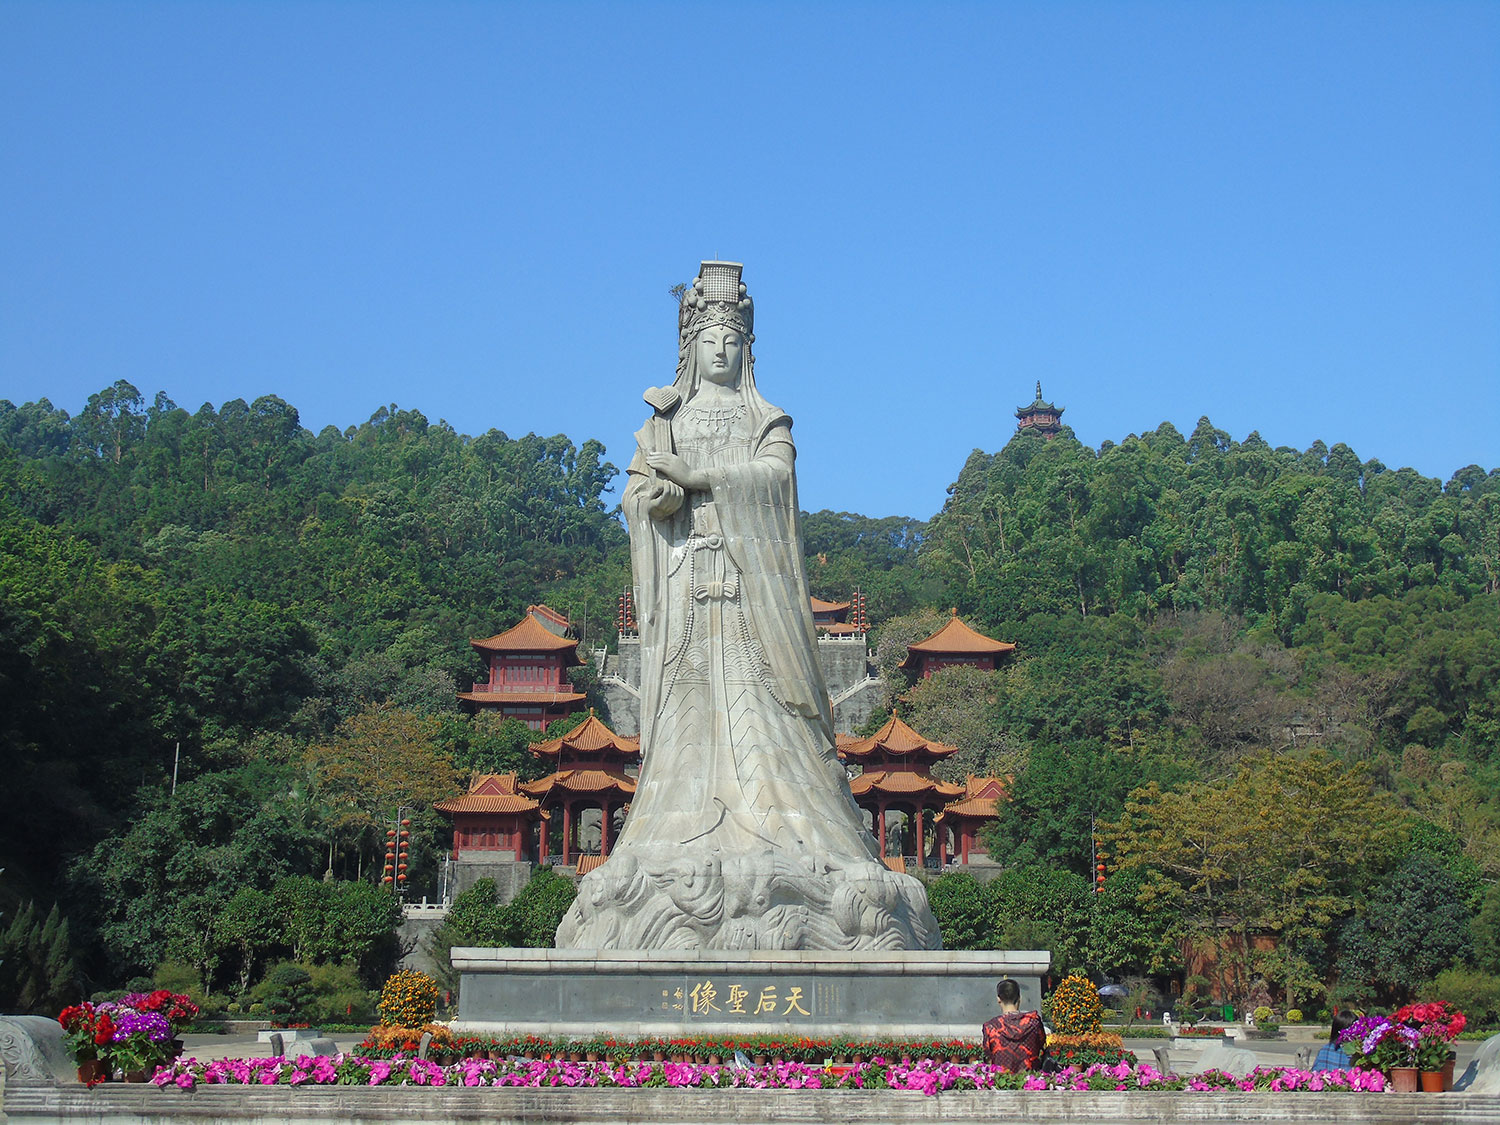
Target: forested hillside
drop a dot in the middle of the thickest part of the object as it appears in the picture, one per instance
(1293, 655)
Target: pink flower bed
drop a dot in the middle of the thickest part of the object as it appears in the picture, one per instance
(924, 1076)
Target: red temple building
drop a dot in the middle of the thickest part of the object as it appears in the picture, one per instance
(492, 817)
(897, 791)
(963, 818)
(1040, 416)
(584, 800)
(528, 669)
(954, 644)
(917, 818)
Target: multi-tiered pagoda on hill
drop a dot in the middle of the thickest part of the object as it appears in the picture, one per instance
(528, 666)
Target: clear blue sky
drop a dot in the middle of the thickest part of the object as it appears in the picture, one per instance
(1283, 216)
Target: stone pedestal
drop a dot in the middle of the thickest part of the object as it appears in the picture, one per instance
(900, 994)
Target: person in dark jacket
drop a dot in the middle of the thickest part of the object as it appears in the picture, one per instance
(1014, 1040)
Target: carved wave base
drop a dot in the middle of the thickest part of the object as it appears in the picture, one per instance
(661, 896)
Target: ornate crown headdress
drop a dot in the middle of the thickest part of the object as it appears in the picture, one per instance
(715, 298)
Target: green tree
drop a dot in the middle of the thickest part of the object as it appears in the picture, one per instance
(1283, 847)
(248, 927)
(37, 969)
(963, 911)
(1485, 931)
(1132, 933)
(1415, 926)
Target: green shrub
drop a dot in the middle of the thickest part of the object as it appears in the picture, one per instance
(285, 993)
(538, 910)
(1475, 993)
(962, 910)
(1262, 1014)
(339, 996)
(1294, 1015)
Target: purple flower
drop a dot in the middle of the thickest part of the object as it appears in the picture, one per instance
(149, 1025)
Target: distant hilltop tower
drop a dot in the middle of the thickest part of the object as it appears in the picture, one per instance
(1040, 416)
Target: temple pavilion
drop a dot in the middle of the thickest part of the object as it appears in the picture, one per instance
(916, 818)
(954, 644)
(586, 796)
(494, 816)
(572, 815)
(1040, 416)
(962, 819)
(528, 670)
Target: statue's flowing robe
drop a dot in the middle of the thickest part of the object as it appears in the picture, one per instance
(742, 833)
(767, 767)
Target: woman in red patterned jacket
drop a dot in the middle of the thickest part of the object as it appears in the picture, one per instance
(1014, 1039)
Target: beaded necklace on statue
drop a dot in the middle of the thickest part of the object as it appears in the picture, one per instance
(714, 419)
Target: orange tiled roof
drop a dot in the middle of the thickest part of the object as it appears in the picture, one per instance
(987, 786)
(820, 606)
(497, 698)
(982, 797)
(902, 783)
(956, 637)
(529, 636)
(489, 793)
(977, 806)
(580, 781)
(898, 739)
(590, 737)
(486, 803)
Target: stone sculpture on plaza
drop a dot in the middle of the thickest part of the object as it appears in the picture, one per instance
(743, 834)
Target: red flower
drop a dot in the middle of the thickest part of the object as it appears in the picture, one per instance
(76, 1017)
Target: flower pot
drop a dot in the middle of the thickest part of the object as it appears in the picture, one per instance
(136, 1075)
(93, 1070)
(1432, 1082)
(591, 1056)
(1447, 1073)
(1404, 1079)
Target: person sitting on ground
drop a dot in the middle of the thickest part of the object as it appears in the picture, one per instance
(1013, 1040)
(1332, 1056)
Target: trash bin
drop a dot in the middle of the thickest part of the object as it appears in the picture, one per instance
(1228, 1012)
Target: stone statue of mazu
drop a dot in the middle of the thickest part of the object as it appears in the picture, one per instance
(743, 833)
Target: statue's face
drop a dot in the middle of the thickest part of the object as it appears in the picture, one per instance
(720, 353)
